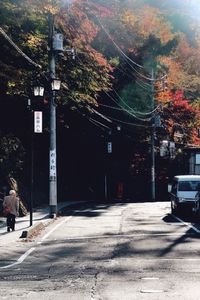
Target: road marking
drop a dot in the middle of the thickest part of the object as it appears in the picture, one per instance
(28, 252)
(53, 229)
(151, 291)
(150, 278)
(20, 260)
(187, 224)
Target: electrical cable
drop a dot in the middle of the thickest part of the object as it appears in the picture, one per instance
(142, 84)
(125, 110)
(120, 50)
(109, 119)
(128, 58)
(19, 50)
(137, 112)
(128, 123)
(97, 123)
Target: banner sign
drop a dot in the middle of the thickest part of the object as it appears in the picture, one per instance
(37, 121)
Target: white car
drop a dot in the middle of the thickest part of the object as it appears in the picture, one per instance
(184, 193)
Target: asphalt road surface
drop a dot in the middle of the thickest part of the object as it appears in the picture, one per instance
(120, 251)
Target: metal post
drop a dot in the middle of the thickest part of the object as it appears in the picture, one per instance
(52, 150)
(105, 187)
(153, 143)
(32, 171)
(31, 159)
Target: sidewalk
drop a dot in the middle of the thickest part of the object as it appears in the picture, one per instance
(22, 226)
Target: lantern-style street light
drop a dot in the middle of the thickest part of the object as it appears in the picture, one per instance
(38, 91)
(55, 84)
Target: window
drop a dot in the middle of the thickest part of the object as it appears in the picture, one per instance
(189, 186)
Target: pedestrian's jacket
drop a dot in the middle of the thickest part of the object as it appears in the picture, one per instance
(13, 203)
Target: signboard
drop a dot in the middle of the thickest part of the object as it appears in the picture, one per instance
(37, 121)
(109, 147)
(52, 163)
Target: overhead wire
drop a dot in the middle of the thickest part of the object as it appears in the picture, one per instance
(129, 60)
(120, 50)
(127, 57)
(97, 123)
(146, 85)
(137, 112)
(128, 123)
(142, 84)
(123, 109)
(18, 49)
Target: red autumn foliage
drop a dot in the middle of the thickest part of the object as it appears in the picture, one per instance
(181, 112)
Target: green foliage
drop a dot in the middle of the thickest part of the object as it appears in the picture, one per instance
(11, 156)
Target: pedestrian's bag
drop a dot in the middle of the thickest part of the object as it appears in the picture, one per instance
(6, 211)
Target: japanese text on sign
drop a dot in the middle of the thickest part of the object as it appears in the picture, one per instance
(52, 163)
(38, 121)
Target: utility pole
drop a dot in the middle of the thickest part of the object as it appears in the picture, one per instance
(153, 141)
(52, 149)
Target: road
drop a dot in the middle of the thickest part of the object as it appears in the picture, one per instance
(121, 251)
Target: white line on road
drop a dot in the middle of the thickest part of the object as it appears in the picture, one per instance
(151, 291)
(150, 278)
(28, 252)
(20, 260)
(187, 224)
(53, 229)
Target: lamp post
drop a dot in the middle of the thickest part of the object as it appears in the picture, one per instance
(38, 91)
(31, 161)
(153, 142)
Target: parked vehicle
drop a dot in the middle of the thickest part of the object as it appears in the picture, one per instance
(185, 193)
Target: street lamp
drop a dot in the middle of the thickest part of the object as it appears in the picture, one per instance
(55, 84)
(38, 91)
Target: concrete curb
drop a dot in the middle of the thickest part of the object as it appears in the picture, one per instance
(39, 226)
(32, 231)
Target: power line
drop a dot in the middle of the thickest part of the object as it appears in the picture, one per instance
(128, 59)
(97, 123)
(19, 50)
(125, 110)
(137, 112)
(120, 50)
(128, 123)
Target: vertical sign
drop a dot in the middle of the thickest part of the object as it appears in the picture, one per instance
(38, 121)
(109, 147)
(52, 163)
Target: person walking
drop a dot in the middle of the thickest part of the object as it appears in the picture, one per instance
(11, 203)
